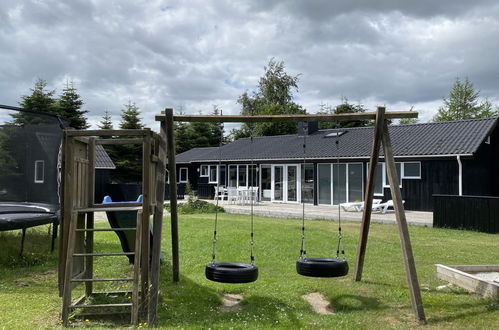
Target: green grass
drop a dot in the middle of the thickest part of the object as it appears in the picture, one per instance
(28, 288)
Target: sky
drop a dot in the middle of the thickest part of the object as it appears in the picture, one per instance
(192, 55)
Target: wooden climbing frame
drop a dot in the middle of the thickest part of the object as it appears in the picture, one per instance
(76, 248)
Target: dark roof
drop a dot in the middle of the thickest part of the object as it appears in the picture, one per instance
(461, 137)
(102, 159)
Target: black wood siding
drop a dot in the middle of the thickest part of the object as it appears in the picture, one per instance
(467, 212)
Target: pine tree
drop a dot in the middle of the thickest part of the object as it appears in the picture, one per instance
(130, 117)
(106, 122)
(69, 107)
(128, 157)
(40, 100)
(463, 103)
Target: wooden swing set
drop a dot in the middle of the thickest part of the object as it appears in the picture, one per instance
(158, 153)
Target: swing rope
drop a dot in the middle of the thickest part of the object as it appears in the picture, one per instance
(252, 241)
(213, 254)
(303, 251)
(340, 235)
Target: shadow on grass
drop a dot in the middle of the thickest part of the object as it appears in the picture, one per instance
(462, 311)
(352, 303)
(190, 304)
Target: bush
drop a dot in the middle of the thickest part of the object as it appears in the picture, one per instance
(196, 206)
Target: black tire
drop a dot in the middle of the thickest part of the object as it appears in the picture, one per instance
(322, 267)
(231, 272)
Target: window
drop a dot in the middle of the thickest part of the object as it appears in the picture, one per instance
(409, 170)
(167, 176)
(233, 176)
(183, 175)
(324, 178)
(204, 170)
(379, 176)
(335, 134)
(412, 170)
(386, 182)
(242, 179)
(213, 174)
(39, 171)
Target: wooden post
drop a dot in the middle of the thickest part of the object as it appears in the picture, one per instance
(146, 212)
(405, 240)
(66, 206)
(91, 172)
(136, 270)
(157, 226)
(170, 148)
(368, 199)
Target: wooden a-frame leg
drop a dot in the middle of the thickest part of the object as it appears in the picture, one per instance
(368, 200)
(405, 240)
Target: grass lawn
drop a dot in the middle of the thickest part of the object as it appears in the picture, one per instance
(28, 286)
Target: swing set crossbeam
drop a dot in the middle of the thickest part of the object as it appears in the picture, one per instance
(288, 118)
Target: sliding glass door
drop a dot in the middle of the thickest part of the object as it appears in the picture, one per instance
(340, 183)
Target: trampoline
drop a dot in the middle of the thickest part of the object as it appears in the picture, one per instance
(29, 153)
(14, 216)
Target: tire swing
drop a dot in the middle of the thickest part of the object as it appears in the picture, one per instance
(232, 272)
(321, 267)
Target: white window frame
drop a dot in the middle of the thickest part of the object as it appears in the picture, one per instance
(180, 175)
(217, 174)
(207, 174)
(411, 177)
(42, 180)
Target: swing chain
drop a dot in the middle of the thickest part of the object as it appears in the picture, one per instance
(217, 192)
(340, 235)
(252, 168)
(303, 251)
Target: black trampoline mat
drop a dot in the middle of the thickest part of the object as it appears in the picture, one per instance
(25, 215)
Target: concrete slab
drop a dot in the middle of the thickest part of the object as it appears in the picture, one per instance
(324, 212)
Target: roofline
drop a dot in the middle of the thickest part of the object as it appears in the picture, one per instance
(325, 158)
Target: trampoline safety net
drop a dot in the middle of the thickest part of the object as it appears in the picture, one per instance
(29, 151)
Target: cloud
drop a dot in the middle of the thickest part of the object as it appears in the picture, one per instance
(194, 54)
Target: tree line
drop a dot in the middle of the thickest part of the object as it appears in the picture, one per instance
(274, 95)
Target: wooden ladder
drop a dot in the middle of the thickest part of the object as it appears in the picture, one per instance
(79, 232)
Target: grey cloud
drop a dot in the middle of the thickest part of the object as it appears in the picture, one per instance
(200, 53)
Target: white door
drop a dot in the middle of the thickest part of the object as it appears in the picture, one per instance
(286, 183)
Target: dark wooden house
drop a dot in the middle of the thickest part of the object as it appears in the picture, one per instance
(452, 158)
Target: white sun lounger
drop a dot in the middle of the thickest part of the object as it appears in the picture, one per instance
(357, 206)
(383, 207)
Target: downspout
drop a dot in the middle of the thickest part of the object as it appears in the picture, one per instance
(460, 166)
